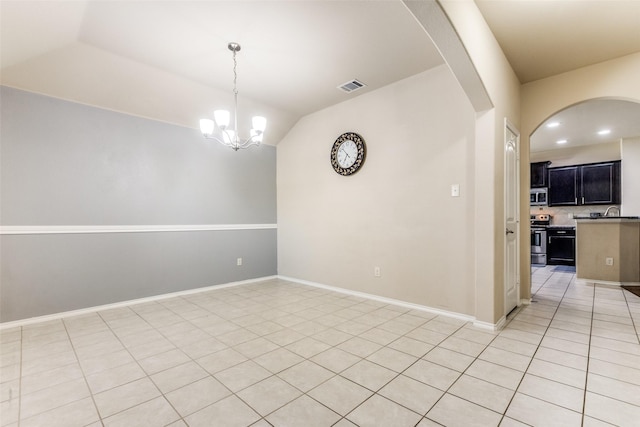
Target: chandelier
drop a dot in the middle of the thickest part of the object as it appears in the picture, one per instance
(218, 128)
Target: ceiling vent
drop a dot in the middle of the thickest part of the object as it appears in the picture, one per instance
(351, 85)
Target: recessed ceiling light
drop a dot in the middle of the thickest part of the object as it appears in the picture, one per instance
(604, 132)
(553, 124)
(561, 141)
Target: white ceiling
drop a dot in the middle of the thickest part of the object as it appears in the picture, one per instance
(542, 38)
(294, 53)
(168, 60)
(579, 124)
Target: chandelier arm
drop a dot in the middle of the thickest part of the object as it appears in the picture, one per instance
(222, 141)
(226, 137)
(236, 144)
(250, 141)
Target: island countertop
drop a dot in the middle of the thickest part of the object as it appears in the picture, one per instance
(607, 219)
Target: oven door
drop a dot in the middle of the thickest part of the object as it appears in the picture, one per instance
(538, 246)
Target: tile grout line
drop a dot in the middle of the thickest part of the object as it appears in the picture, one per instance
(633, 322)
(139, 365)
(538, 345)
(212, 375)
(304, 359)
(336, 374)
(459, 376)
(589, 358)
(365, 359)
(84, 377)
(374, 392)
(20, 382)
(404, 370)
(586, 375)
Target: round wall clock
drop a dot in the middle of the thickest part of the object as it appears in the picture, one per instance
(348, 153)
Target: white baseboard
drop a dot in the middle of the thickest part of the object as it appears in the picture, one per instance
(491, 326)
(88, 310)
(392, 301)
(39, 319)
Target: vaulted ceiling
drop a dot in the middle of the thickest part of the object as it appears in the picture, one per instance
(168, 60)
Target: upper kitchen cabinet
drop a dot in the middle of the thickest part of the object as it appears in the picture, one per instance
(601, 184)
(563, 186)
(592, 184)
(539, 174)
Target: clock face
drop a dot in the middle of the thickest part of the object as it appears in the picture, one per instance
(348, 153)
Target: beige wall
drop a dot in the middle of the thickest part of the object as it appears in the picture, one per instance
(396, 213)
(504, 90)
(617, 78)
(432, 250)
(631, 176)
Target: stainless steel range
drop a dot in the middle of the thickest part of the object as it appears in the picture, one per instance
(539, 225)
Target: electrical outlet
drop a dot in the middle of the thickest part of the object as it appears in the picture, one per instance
(376, 271)
(239, 261)
(608, 261)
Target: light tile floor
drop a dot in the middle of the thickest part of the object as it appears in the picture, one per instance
(283, 354)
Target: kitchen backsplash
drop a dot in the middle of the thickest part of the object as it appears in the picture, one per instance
(563, 215)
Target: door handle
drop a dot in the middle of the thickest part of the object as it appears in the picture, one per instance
(509, 231)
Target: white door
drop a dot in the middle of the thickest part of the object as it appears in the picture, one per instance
(511, 217)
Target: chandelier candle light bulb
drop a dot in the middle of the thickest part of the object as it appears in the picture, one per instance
(221, 119)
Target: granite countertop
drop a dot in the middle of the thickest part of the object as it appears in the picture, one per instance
(607, 218)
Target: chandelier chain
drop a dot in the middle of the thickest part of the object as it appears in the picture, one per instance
(235, 100)
(235, 74)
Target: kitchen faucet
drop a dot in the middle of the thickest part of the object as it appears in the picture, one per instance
(606, 213)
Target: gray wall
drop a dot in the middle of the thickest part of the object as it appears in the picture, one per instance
(64, 163)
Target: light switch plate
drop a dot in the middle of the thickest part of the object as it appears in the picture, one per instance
(455, 190)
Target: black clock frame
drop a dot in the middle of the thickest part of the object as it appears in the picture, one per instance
(362, 152)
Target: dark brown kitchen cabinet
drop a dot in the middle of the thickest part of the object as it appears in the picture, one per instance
(539, 174)
(600, 184)
(563, 186)
(590, 184)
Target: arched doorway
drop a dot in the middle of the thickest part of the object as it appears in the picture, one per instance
(592, 131)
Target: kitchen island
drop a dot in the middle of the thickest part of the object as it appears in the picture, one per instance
(608, 250)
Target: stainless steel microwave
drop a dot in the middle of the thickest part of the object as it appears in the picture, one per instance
(538, 197)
